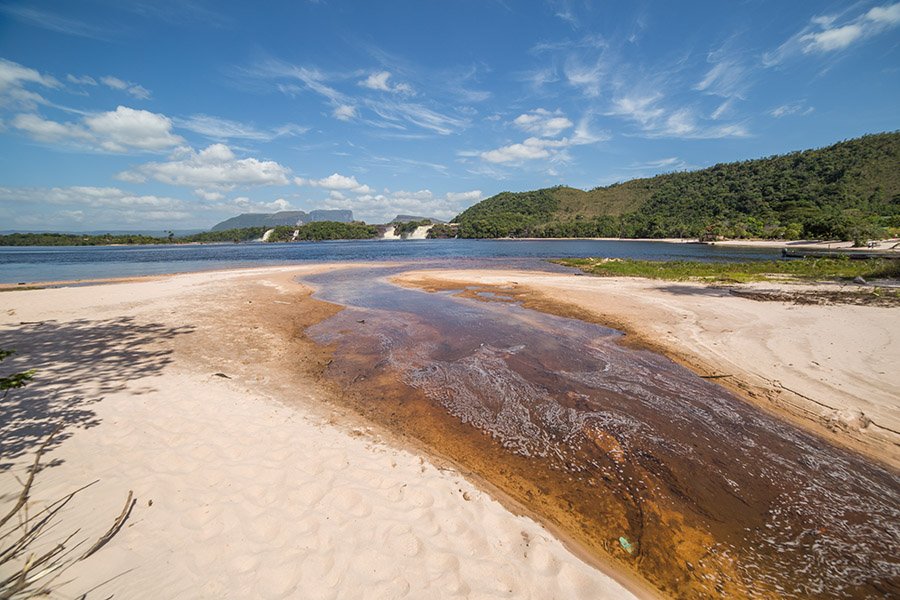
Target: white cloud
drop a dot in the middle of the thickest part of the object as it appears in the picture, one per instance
(535, 148)
(825, 34)
(50, 131)
(531, 149)
(379, 81)
(138, 91)
(208, 195)
(215, 168)
(13, 79)
(831, 39)
(100, 206)
(115, 131)
(889, 14)
(244, 204)
(344, 112)
(471, 196)
(88, 196)
(127, 128)
(224, 129)
(381, 208)
(543, 123)
(336, 181)
(279, 205)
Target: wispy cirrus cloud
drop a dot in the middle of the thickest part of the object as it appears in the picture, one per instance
(81, 79)
(832, 33)
(672, 163)
(657, 120)
(417, 114)
(219, 129)
(55, 22)
(564, 10)
(726, 78)
(799, 109)
(391, 111)
(133, 89)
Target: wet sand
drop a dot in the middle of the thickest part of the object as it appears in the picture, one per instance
(637, 458)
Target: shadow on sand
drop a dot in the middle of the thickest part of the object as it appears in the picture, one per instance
(694, 290)
(77, 364)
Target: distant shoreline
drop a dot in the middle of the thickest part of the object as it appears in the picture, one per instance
(890, 245)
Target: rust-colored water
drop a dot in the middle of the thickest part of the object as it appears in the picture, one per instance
(635, 457)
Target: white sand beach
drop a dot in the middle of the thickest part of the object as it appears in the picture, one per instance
(190, 391)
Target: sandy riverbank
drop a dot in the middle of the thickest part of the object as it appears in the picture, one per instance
(831, 369)
(198, 393)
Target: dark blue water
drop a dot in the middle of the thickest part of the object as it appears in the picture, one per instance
(30, 264)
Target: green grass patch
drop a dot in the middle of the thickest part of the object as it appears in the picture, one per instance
(810, 269)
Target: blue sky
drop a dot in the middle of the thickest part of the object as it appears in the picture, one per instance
(158, 114)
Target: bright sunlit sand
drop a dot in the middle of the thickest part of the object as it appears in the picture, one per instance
(247, 485)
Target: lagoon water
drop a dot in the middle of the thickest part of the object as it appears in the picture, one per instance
(32, 264)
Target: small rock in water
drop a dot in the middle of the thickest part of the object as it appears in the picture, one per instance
(859, 280)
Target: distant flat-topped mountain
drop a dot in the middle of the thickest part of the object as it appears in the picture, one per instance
(287, 217)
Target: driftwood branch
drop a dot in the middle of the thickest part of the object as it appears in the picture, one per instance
(116, 526)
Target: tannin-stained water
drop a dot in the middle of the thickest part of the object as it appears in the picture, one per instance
(634, 456)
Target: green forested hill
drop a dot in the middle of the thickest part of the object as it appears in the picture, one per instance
(849, 190)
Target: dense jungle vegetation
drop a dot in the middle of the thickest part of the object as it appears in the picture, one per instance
(848, 191)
